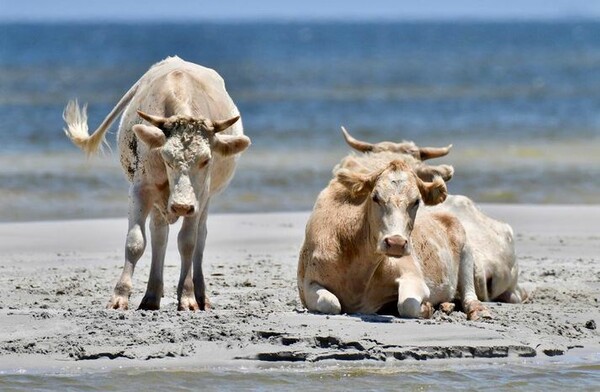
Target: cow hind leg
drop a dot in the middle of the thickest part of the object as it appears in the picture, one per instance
(515, 296)
(474, 309)
(319, 299)
(159, 233)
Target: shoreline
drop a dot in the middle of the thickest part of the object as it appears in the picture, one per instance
(58, 275)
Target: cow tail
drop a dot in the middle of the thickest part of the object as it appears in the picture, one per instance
(77, 128)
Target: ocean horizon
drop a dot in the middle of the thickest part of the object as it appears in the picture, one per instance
(519, 100)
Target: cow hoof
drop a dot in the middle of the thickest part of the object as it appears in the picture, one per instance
(426, 310)
(188, 303)
(149, 303)
(205, 305)
(478, 311)
(447, 307)
(118, 302)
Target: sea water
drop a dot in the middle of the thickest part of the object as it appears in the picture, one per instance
(520, 102)
(419, 376)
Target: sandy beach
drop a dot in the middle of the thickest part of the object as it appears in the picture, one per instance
(56, 278)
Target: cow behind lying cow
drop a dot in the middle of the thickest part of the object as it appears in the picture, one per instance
(406, 150)
(182, 155)
(365, 246)
(496, 267)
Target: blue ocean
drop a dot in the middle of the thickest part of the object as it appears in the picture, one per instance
(520, 102)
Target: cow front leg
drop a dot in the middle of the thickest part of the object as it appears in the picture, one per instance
(159, 234)
(318, 299)
(139, 207)
(186, 242)
(413, 294)
(199, 285)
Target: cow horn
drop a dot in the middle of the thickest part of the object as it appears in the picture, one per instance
(222, 125)
(433, 152)
(356, 144)
(154, 120)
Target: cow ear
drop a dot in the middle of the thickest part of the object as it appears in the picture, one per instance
(359, 184)
(427, 172)
(230, 145)
(151, 136)
(433, 192)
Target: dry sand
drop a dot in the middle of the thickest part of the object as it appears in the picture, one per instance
(56, 278)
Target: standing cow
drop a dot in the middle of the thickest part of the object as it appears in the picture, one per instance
(184, 152)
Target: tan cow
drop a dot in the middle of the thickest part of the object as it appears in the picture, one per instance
(496, 267)
(366, 246)
(182, 154)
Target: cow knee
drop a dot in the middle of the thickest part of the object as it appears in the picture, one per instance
(410, 307)
(319, 299)
(135, 245)
(511, 297)
(328, 303)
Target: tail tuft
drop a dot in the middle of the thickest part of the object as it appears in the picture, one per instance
(77, 129)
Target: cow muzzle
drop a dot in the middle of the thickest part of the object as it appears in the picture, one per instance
(396, 246)
(182, 209)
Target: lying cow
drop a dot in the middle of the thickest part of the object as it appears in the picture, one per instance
(184, 153)
(496, 268)
(366, 246)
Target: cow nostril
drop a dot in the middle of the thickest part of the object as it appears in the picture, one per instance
(182, 209)
(395, 241)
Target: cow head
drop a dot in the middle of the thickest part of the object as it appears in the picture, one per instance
(392, 197)
(405, 147)
(187, 145)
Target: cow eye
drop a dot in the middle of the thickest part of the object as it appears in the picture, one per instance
(203, 163)
(376, 198)
(416, 204)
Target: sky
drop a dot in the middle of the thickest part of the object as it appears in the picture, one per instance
(220, 10)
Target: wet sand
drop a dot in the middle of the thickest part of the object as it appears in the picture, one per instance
(56, 278)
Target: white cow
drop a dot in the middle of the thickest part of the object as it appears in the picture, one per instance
(496, 267)
(184, 153)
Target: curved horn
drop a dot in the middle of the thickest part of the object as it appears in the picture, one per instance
(154, 120)
(356, 144)
(222, 125)
(433, 152)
